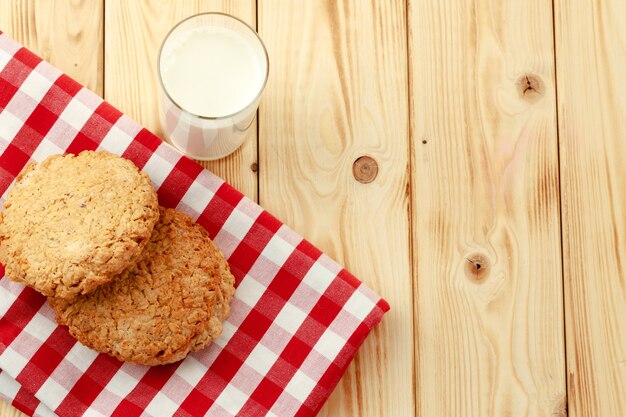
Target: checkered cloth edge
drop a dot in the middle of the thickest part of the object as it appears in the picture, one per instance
(296, 321)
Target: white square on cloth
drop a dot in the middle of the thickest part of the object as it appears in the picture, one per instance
(161, 405)
(52, 393)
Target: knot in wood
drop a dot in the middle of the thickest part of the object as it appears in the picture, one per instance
(530, 87)
(365, 169)
(477, 267)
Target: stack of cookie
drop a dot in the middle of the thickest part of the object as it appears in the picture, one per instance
(129, 278)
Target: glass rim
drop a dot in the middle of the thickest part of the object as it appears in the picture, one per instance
(228, 16)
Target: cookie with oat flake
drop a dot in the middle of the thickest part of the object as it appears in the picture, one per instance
(74, 222)
(172, 302)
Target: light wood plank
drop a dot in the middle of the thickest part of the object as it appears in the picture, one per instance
(591, 57)
(66, 33)
(134, 31)
(485, 205)
(69, 35)
(7, 410)
(338, 91)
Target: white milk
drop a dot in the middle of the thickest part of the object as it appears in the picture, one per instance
(212, 71)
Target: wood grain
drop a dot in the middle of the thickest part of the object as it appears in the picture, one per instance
(591, 57)
(485, 209)
(338, 91)
(6, 410)
(66, 33)
(470, 203)
(134, 31)
(69, 35)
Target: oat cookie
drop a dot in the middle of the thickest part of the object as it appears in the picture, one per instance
(74, 222)
(171, 303)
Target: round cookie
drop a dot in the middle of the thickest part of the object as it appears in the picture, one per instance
(172, 302)
(74, 222)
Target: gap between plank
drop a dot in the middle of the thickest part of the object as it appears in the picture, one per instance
(258, 118)
(561, 222)
(409, 193)
(102, 54)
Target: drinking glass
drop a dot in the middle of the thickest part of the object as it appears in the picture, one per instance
(199, 134)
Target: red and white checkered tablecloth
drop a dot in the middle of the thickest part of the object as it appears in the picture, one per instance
(296, 321)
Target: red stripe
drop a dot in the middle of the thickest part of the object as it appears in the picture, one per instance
(249, 249)
(141, 148)
(297, 351)
(304, 411)
(256, 323)
(212, 383)
(19, 67)
(228, 362)
(19, 315)
(335, 371)
(45, 360)
(196, 403)
(376, 315)
(257, 238)
(291, 358)
(148, 140)
(322, 390)
(149, 385)
(7, 91)
(384, 307)
(298, 348)
(28, 138)
(325, 310)
(137, 153)
(242, 260)
(25, 402)
(127, 409)
(67, 84)
(219, 208)
(96, 127)
(268, 221)
(289, 276)
(87, 388)
(6, 179)
(80, 143)
(108, 113)
(309, 250)
(229, 195)
(348, 278)
(41, 121)
(15, 72)
(178, 182)
(262, 399)
(358, 335)
(250, 332)
(27, 58)
(56, 99)
(252, 408)
(13, 160)
(272, 385)
(327, 384)
(94, 130)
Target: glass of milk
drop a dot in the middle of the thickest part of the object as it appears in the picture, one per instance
(212, 70)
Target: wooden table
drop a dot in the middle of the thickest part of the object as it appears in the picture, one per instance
(496, 224)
